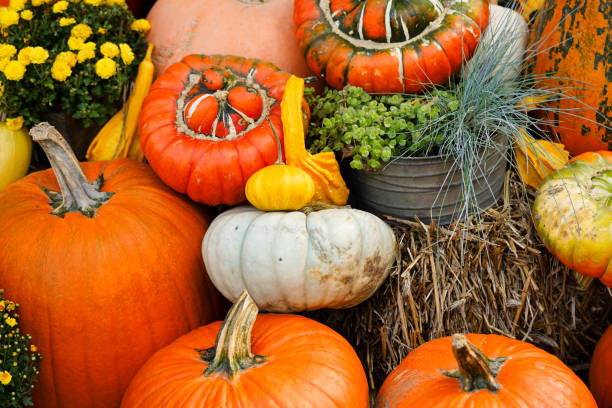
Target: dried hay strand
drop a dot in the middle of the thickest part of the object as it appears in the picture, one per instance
(507, 283)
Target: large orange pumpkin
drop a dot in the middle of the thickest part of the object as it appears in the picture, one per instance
(573, 37)
(388, 46)
(107, 260)
(210, 122)
(600, 372)
(260, 29)
(251, 361)
(478, 370)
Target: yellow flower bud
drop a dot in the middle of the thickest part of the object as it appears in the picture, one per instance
(82, 31)
(87, 51)
(60, 6)
(14, 70)
(75, 43)
(66, 21)
(60, 71)
(9, 17)
(110, 50)
(14, 124)
(127, 55)
(7, 50)
(27, 15)
(141, 25)
(24, 55)
(17, 5)
(106, 68)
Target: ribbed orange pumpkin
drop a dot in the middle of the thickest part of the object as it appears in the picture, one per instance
(110, 271)
(573, 36)
(600, 372)
(270, 360)
(478, 370)
(260, 29)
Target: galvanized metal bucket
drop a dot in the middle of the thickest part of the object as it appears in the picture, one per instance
(428, 188)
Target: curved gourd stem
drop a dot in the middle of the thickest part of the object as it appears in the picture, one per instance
(76, 192)
(476, 371)
(279, 148)
(232, 351)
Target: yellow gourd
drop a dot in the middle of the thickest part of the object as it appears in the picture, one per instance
(323, 167)
(536, 159)
(119, 137)
(279, 188)
(15, 154)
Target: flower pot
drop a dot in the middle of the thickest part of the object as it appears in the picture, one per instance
(429, 188)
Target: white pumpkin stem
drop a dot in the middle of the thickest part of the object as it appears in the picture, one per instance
(76, 192)
(476, 371)
(232, 351)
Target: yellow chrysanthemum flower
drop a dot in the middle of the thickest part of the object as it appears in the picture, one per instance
(75, 43)
(11, 320)
(110, 50)
(33, 348)
(37, 3)
(106, 68)
(66, 21)
(141, 25)
(7, 50)
(60, 6)
(5, 377)
(27, 15)
(24, 55)
(101, 30)
(17, 5)
(9, 17)
(94, 2)
(67, 57)
(3, 63)
(113, 2)
(127, 55)
(14, 124)
(60, 71)
(82, 31)
(87, 51)
(38, 55)
(14, 70)
(10, 306)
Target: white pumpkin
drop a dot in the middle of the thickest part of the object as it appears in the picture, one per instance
(290, 261)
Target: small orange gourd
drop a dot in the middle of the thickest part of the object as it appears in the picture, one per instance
(323, 167)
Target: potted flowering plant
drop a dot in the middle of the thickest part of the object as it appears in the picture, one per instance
(75, 57)
(19, 359)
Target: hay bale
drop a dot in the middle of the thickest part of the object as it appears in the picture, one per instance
(503, 282)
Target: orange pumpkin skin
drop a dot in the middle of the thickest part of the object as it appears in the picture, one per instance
(574, 37)
(249, 28)
(600, 372)
(308, 366)
(530, 377)
(101, 294)
(385, 46)
(188, 117)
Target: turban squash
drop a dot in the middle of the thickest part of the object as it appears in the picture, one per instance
(253, 361)
(479, 370)
(573, 39)
(105, 260)
(385, 45)
(573, 214)
(210, 122)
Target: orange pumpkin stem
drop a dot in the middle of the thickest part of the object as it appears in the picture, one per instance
(232, 351)
(76, 192)
(476, 371)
